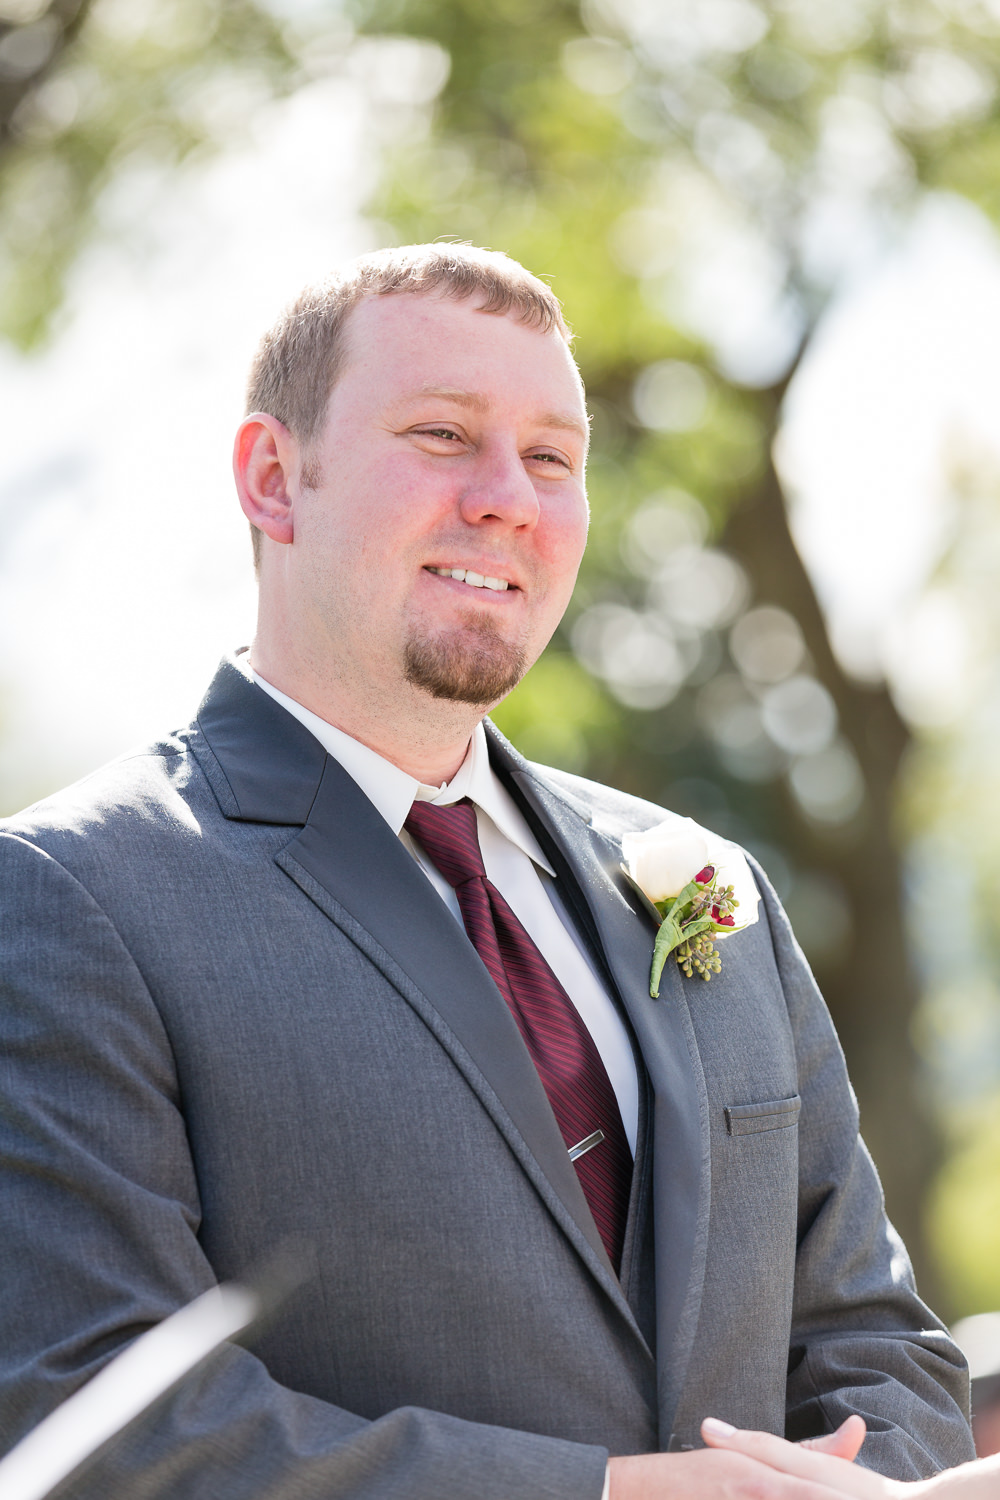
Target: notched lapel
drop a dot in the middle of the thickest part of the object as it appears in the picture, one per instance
(264, 765)
(682, 1162)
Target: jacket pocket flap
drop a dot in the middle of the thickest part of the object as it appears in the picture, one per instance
(774, 1114)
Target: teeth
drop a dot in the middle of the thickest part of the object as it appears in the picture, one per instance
(474, 580)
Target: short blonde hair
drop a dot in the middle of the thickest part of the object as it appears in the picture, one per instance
(299, 360)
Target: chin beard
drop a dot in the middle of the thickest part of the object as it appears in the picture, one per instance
(479, 671)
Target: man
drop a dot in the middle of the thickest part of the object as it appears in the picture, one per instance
(335, 963)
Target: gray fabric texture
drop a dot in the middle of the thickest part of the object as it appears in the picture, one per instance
(234, 1011)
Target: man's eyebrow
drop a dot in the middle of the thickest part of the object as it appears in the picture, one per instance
(478, 403)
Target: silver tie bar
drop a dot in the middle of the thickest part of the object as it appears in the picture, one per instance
(587, 1144)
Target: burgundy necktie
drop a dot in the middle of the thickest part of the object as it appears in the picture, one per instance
(561, 1047)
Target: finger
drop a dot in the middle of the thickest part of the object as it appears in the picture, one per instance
(793, 1458)
(844, 1443)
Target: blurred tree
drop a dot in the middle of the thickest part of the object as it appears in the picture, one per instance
(965, 1222)
(698, 178)
(96, 91)
(33, 36)
(950, 809)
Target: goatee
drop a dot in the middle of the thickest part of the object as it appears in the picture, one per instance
(480, 671)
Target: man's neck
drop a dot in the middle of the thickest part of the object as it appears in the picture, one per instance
(427, 738)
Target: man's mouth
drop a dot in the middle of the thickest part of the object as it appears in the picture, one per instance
(474, 580)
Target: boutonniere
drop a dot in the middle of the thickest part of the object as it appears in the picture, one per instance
(695, 884)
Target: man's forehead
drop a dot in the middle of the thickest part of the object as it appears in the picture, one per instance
(442, 336)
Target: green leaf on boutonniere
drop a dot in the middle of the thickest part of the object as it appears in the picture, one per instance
(671, 936)
(690, 922)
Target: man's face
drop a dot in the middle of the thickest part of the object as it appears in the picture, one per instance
(454, 444)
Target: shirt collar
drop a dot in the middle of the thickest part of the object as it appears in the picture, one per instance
(393, 792)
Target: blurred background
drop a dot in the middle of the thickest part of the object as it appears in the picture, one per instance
(773, 225)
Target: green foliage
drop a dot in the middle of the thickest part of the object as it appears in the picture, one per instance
(964, 1215)
(557, 715)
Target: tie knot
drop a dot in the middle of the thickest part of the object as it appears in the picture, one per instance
(450, 837)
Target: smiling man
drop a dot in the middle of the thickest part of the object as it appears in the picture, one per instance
(422, 535)
(335, 963)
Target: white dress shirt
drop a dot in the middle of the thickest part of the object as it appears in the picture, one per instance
(514, 863)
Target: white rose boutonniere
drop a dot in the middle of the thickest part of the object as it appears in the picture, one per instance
(695, 882)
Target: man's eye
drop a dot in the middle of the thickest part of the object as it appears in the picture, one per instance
(556, 459)
(440, 432)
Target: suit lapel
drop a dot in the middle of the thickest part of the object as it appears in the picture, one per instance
(590, 861)
(266, 767)
(413, 933)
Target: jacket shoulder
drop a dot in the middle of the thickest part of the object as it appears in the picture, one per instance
(609, 811)
(150, 785)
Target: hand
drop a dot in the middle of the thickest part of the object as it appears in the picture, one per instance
(818, 1461)
(826, 1461)
(708, 1475)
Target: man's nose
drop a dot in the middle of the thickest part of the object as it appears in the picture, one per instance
(500, 489)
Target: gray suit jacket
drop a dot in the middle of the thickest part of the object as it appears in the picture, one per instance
(234, 1010)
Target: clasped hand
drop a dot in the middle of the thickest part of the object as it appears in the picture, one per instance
(739, 1465)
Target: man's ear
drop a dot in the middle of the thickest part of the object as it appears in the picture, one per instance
(265, 459)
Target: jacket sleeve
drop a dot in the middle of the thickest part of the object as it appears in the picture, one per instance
(861, 1340)
(99, 1241)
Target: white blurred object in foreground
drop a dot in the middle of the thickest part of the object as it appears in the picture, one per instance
(123, 1390)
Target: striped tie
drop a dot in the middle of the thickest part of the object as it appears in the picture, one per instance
(554, 1033)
